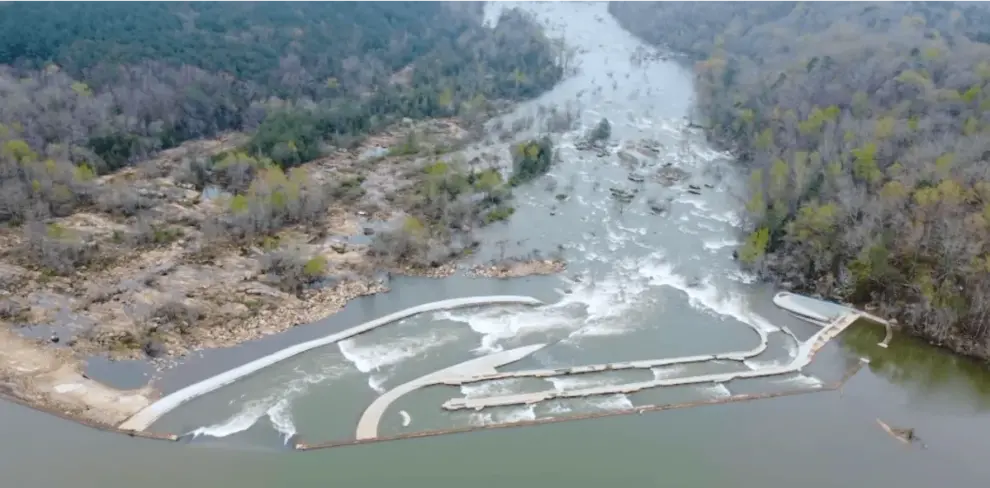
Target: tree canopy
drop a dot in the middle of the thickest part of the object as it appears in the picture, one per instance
(89, 87)
(867, 133)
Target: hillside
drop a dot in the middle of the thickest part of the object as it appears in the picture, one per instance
(865, 127)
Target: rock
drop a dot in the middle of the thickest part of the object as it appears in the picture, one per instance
(234, 309)
(628, 157)
(339, 248)
(258, 289)
(670, 175)
(658, 208)
(154, 349)
(54, 338)
(368, 231)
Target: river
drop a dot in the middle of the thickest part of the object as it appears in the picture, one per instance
(638, 286)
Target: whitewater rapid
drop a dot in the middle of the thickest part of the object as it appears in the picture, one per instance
(626, 266)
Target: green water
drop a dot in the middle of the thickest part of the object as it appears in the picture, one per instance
(634, 300)
(818, 440)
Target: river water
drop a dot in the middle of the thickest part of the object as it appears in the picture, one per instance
(638, 286)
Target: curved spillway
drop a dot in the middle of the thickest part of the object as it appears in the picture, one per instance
(368, 425)
(148, 415)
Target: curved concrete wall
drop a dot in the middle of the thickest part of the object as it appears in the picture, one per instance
(144, 418)
(368, 425)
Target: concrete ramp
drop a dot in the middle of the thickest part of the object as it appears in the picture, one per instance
(368, 425)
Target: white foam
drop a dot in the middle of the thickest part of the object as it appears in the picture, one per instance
(706, 296)
(592, 308)
(577, 382)
(504, 415)
(718, 390)
(721, 243)
(558, 407)
(668, 371)
(280, 416)
(496, 324)
(377, 382)
(239, 422)
(741, 277)
(699, 205)
(800, 380)
(490, 388)
(610, 402)
(276, 406)
(792, 348)
(369, 357)
(764, 364)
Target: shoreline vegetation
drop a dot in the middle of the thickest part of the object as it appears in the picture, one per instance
(158, 197)
(864, 127)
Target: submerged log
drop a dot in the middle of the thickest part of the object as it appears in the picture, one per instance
(904, 435)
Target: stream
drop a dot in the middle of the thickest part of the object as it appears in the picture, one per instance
(639, 285)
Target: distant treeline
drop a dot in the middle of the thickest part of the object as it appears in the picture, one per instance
(88, 87)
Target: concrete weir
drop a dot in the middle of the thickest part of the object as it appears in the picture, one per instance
(483, 369)
(738, 356)
(148, 415)
(806, 351)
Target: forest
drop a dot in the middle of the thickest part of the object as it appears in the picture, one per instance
(89, 87)
(866, 134)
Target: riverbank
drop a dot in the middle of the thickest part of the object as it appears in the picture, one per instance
(832, 209)
(162, 287)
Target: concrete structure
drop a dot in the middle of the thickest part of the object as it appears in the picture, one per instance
(822, 312)
(806, 351)
(818, 312)
(148, 415)
(368, 425)
(739, 356)
(472, 372)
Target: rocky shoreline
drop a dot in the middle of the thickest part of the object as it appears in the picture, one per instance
(182, 292)
(518, 268)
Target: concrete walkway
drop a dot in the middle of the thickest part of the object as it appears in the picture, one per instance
(148, 415)
(368, 425)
